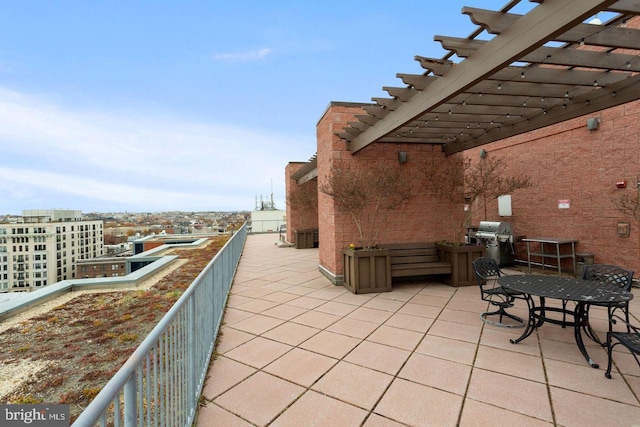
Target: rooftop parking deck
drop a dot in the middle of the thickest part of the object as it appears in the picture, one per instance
(296, 350)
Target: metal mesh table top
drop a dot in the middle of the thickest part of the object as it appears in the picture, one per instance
(565, 288)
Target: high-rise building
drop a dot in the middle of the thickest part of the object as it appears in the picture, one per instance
(43, 246)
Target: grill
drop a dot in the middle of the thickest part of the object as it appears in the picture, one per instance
(498, 239)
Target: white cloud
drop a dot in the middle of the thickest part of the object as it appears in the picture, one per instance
(253, 55)
(135, 158)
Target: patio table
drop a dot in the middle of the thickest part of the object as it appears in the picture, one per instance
(582, 292)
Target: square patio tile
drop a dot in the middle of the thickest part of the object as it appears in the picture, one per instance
(378, 356)
(587, 380)
(370, 315)
(461, 316)
(510, 363)
(353, 328)
(354, 384)
(457, 331)
(257, 324)
(280, 297)
(515, 394)
(316, 319)
(224, 374)
(306, 302)
(260, 398)
(300, 366)
(409, 322)
(448, 349)
(431, 300)
(291, 333)
(212, 416)
(284, 312)
(376, 420)
(414, 309)
(328, 293)
(477, 413)
(231, 338)
(437, 373)
(330, 344)
(384, 304)
(335, 308)
(257, 305)
(395, 337)
(418, 405)
(499, 338)
(354, 299)
(258, 352)
(324, 410)
(592, 410)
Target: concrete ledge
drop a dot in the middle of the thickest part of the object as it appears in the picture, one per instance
(337, 280)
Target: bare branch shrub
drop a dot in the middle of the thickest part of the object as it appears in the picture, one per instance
(628, 203)
(304, 200)
(366, 194)
(460, 181)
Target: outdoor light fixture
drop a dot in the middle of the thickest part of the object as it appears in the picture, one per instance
(593, 123)
(483, 153)
(402, 156)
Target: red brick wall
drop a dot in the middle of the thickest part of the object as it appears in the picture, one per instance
(422, 218)
(569, 162)
(299, 217)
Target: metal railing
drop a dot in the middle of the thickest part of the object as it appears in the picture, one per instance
(160, 384)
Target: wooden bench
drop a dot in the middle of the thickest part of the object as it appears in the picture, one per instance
(416, 259)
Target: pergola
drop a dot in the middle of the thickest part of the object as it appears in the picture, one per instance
(540, 68)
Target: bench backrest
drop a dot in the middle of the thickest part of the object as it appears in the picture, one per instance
(411, 253)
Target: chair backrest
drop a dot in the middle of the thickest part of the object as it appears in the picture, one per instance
(610, 274)
(485, 268)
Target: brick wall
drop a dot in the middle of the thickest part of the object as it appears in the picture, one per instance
(569, 162)
(302, 202)
(422, 218)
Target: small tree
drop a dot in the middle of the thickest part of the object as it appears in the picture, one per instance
(366, 194)
(628, 203)
(481, 181)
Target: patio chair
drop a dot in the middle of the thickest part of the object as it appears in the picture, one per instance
(614, 276)
(629, 339)
(487, 273)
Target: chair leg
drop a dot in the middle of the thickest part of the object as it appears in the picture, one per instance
(501, 312)
(609, 354)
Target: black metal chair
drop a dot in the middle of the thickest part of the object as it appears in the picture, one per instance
(614, 276)
(630, 339)
(487, 273)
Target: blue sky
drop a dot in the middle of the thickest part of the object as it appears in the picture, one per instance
(189, 105)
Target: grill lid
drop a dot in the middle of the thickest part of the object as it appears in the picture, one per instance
(495, 227)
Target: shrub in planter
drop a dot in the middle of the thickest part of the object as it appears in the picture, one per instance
(366, 195)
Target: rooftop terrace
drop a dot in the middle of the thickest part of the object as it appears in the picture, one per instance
(297, 350)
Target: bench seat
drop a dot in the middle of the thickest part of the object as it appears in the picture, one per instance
(416, 259)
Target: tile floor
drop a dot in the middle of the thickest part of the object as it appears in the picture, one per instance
(298, 351)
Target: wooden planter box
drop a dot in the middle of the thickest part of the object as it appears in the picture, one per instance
(305, 239)
(460, 258)
(367, 271)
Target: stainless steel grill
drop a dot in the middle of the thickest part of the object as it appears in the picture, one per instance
(498, 239)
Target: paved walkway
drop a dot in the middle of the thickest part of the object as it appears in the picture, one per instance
(298, 351)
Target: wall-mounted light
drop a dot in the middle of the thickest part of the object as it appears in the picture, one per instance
(402, 156)
(593, 123)
(621, 184)
(483, 153)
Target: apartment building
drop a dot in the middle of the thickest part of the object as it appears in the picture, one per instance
(43, 246)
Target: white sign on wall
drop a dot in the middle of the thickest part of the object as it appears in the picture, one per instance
(564, 204)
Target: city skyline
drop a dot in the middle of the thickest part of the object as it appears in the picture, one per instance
(153, 106)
